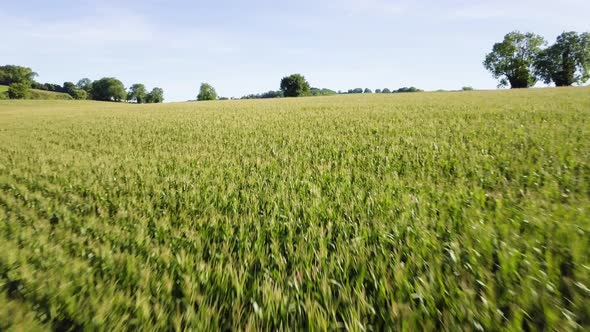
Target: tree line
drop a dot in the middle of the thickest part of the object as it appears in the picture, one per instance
(20, 79)
(521, 59)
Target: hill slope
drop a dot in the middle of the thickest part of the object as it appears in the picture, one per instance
(35, 94)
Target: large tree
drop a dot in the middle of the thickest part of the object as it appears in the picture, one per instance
(16, 74)
(512, 60)
(108, 89)
(567, 61)
(155, 96)
(295, 86)
(84, 84)
(137, 93)
(207, 92)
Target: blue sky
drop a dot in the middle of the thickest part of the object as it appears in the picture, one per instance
(243, 47)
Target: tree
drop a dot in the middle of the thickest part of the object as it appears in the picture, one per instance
(386, 90)
(512, 60)
(367, 90)
(467, 88)
(155, 96)
(567, 61)
(16, 74)
(80, 94)
(108, 89)
(378, 91)
(18, 90)
(207, 92)
(85, 84)
(69, 88)
(137, 93)
(295, 86)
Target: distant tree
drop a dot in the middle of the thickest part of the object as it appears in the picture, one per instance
(567, 61)
(69, 88)
(512, 60)
(18, 90)
(85, 84)
(367, 90)
(357, 90)
(207, 92)
(378, 91)
(295, 86)
(406, 89)
(386, 90)
(155, 96)
(108, 89)
(137, 93)
(16, 74)
(467, 88)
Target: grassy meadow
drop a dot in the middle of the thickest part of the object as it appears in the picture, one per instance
(426, 211)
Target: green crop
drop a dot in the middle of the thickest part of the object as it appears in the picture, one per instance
(427, 211)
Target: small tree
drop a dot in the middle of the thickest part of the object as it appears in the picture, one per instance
(512, 60)
(207, 92)
(137, 93)
(386, 90)
(295, 86)
(467, 88)
(80, 94)
(155, 96)
(69, 88)
(18, 90)
(85, 84)
(378, 91)
(567, 61)
(367, 90)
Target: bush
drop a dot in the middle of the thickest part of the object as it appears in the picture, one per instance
(467, 88)
(18, 90)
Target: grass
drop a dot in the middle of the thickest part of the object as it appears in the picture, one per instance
(38, 94)
(427, 211)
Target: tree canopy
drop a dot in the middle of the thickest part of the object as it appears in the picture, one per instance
(295, 85)
(512, 60)
(155, 96)
(16, 74)
(137, 93)
(206, 92)
(567, 61)
(108, 89)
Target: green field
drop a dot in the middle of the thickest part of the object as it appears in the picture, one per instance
(427, 211)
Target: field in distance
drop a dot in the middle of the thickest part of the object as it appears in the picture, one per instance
(427, 211)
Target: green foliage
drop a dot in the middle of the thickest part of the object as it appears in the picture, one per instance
(16, 74)
(567, 61)
(265, 95)
(386, 90)
(18, 90)
(367, 90)
(206, 92)
(512, 60)
(406, 89)
(423, 212)
(47, 95)
(137, 93)
(378, 91)
(357, 90)
(85, 84)
(108, 89)
(321, 92)
(80, 94)
(155, 96)
(295, 86)
(3, 92)
(467, 88)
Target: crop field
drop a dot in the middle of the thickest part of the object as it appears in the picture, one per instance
(426, 211)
